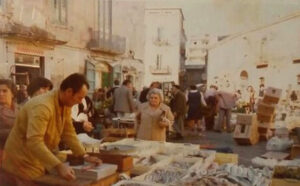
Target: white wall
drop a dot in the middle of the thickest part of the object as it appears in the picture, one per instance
(171, 21)
(281, 47)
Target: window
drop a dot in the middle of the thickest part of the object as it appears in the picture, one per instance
(60, 11)
(158, 61)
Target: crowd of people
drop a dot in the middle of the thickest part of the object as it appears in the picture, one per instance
(35, 121)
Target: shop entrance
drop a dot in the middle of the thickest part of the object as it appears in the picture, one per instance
(27, 67)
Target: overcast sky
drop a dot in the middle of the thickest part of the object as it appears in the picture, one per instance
(223, 17)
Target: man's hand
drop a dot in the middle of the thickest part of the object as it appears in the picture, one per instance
(65, 172)
(93, 160)
(87, 126)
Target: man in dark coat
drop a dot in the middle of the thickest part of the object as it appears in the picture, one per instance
(178, 107)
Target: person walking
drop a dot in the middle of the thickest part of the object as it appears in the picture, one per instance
(123, 99)
(226, 101)
(194, 115)
(178, 107)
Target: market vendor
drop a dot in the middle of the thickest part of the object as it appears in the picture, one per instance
(44, 121)
(154, 117)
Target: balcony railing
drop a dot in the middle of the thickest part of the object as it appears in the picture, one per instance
(164, 70)
(115, 45)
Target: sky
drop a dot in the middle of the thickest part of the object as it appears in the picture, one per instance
(225, 17)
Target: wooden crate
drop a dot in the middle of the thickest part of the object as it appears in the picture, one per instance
(246, 119)
(270, 125)
(124, 162)
(265, 109)
(265, 118)
(272, 95)
(119, 132)
(265, 136)
(49, 179)
(246, 134)
(264, 127)
(223, 158)
(295, 151)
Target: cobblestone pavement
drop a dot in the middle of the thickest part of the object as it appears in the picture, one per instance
(221, 140)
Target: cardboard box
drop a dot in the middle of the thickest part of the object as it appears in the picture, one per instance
(266, 109)
(246, 119)
(265, 118)
(272, 95)
(223, 158)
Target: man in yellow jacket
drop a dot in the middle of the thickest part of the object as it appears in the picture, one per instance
(44, 121)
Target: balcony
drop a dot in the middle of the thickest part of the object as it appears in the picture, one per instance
(114, 45)
(165, 70)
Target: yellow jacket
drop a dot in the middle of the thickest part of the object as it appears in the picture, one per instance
(32, 145)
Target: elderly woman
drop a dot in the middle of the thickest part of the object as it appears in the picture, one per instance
(7, 108)
(153, 117)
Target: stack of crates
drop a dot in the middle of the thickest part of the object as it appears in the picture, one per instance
(266, 112)
(245, 132)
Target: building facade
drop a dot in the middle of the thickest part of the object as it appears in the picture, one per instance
(164, 45)
(268, 55)
(56, 38)
(196, 59)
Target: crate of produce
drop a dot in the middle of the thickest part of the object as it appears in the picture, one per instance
(265, 118)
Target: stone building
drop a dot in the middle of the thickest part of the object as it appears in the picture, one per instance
(56, 38)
